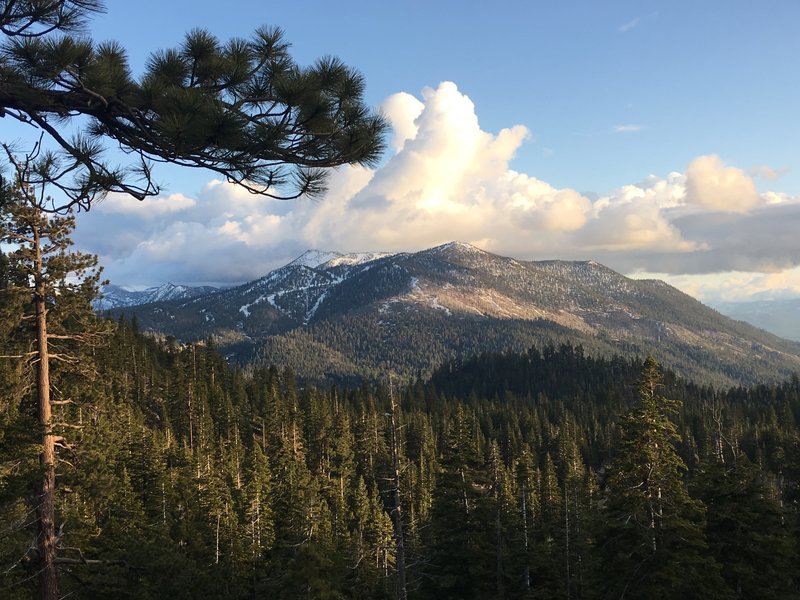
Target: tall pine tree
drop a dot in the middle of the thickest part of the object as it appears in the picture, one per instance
(48, 295)
(652, 544)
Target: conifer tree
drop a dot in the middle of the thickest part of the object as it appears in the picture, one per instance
(652, 544)
(459, 551)
(243, 109)
(52, 287)
(258, 504)
(550, 562)
(746, 530)
(527, 486)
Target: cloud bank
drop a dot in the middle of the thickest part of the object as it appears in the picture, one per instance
(448, 179)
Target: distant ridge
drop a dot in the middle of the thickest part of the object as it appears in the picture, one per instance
(354, 316)
(781, 317)
(114, 296)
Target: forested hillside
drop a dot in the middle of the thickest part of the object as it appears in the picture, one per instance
(351, 318)
(543, 474)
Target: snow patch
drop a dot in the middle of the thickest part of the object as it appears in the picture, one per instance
(353, 259)
(313, 310)
(314, 258)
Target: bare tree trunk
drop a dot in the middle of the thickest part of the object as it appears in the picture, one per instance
(527, 573)
(397, 512)
(566, 534)
(216, 547)
(45, 506)
(498, 525)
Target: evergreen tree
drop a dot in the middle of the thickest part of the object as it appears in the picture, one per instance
(746, 530)
(242, 109)
(459, 551)
(527, 486)
(51, 288)
(549, 561)
(652, 543)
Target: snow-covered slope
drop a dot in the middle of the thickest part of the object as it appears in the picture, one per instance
(322, 259)
(114, 296)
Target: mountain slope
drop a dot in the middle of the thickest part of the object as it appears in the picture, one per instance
(411, 312)
(114, 296)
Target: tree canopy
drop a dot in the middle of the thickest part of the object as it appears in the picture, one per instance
(242, 108)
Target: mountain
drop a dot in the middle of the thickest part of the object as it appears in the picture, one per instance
(114, 296)
(781, 317)
(367, 315)
(321, 259)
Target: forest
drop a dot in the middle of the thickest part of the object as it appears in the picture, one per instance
(545, 474)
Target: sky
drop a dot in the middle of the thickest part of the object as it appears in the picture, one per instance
(656, 137)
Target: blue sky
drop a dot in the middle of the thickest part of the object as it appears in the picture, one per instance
(656, 137)
(694, 77)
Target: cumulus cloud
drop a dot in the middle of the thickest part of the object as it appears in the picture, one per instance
(449, 179)
(713, 185)
(402, 111)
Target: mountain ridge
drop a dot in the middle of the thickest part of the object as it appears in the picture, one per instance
(115, 296)
(410, 312)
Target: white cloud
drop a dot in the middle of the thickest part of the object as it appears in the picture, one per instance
(121, 204)
(449, 179)
(628, 128)
(402, 110)
(632, 24)
(734, 286)
(712, 185)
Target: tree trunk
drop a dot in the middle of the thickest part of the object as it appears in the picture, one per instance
(566, 533)
(397, 512)
(498, 531)
(527, 572)
(45, 506)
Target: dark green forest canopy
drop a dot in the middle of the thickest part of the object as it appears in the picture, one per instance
(193, 479)
(242, 108)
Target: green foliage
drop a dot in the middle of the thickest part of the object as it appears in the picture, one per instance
(49, 332)
(653, 543)
(192, 480)
(242, 108)
(746, 529)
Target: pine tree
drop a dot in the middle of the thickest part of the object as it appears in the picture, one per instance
(652, 543)
(549, 562)
(527, 495)
(52, 287)
(459, 553)
(260, 526)
(746, 530)
(243, 109)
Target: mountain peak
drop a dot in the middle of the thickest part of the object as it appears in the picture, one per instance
(114, 296)
(314, 258)
(354, 258)
(457, 246)
(326, 259)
